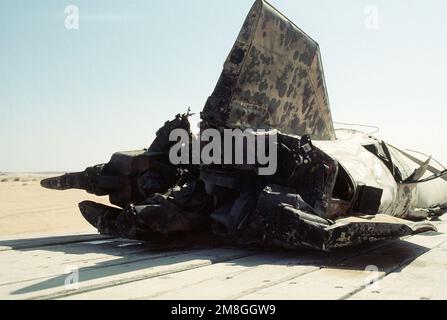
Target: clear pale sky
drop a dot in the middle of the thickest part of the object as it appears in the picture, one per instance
(70, 98)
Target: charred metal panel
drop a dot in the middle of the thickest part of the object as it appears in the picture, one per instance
(273, 78)
(368, 200)
(292, 228)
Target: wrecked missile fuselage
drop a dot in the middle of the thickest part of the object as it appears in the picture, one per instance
(158, 201)
(324, 193)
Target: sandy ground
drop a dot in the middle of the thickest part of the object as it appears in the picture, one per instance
(27, 208)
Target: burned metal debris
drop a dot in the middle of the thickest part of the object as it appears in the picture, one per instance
(329, 190)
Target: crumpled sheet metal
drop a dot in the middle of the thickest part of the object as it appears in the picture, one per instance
(399, 199)
(277, 216)
(292, 232)
(272, 78)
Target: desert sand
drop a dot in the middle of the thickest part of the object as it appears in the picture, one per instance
(27, 208)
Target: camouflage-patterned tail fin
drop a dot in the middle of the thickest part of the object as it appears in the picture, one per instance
(272, 79)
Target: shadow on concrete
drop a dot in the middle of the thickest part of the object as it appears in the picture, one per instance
(129, 256)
